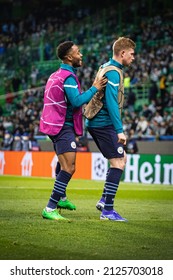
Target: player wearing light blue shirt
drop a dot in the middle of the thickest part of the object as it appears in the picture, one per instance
(64, 141)
(109, 114)
(73, 98)
(107, 130)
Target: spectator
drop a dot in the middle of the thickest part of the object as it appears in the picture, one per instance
(162, 128)
(7, 141)
(166, 116)
(16, 83)
(159, 106)
(153, 91)
(126, 83)
(26, 144)
(169, 130)
(170, 102)
(7, 123)
(158, 118)
(34, 76)
(146, 112)
(34, 145)
(131, 99)
(162, 86)
(152, 106)
(152, 63)
(166, 99)
(17, 142)
(131, 146)
(142, 126)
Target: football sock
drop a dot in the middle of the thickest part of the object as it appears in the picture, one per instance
(59, 189)
(112, 184)
(48, 209)
(104, 189)
(57, 169)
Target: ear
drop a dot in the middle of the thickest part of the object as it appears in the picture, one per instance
(122, 53)
(69, 57)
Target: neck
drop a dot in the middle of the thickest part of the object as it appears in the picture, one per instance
(117, 58)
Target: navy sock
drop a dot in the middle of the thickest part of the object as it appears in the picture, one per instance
(57, 169)
(59, 189)
(104, 189)
(112, 184)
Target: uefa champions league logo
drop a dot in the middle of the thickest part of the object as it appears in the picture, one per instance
(99, 167)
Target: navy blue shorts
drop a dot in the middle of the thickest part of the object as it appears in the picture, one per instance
(64, 141)
(106, 140)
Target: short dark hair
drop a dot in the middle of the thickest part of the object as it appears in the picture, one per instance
(63, 49)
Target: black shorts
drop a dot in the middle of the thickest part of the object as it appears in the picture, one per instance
(64, 141)
(106, 140)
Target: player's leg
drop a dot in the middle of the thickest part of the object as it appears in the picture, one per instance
(117, 166)
(100, 204)
(96, 134)
(58, 197)
(68, 165)
(58, 168)
(65, 148)
(107, 141)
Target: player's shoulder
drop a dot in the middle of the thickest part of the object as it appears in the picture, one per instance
(70, 80)
(110, 69)
(113, 75)
(106, 64)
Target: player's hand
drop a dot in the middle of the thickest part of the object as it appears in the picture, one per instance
(100, 83)
(121, 138)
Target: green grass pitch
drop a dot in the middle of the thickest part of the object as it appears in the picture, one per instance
(25, 235)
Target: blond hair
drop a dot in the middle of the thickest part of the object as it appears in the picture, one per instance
(122, 43)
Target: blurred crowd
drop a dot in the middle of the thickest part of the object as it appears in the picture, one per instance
(153, 66)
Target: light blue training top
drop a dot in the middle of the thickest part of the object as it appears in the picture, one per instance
(109, 114)
(73, 96)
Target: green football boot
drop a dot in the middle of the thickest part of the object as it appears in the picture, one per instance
(66, 204)
(53, 215)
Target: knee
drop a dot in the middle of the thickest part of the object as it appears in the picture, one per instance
(123, 162)
(70, 169)
(119, 163)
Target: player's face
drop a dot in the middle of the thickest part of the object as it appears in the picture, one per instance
(128, 57)
(75, 56)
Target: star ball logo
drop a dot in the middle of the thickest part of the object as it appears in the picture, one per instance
(99, 167)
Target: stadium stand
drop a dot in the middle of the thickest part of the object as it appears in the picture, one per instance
(27, 57)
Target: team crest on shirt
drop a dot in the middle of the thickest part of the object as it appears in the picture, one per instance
(73, 145)
(120, 150)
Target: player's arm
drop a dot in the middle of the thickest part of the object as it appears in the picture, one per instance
(72, 91)
(111, 95)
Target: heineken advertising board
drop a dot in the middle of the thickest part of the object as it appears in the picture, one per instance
(149, 169)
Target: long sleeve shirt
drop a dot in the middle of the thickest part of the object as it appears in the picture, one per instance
(109, 114)
(73, 96)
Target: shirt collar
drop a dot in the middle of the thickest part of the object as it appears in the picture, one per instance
(68, 67)
(116, 63)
